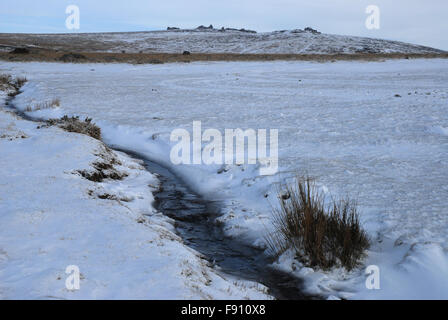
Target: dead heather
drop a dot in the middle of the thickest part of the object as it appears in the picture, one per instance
(322, 235)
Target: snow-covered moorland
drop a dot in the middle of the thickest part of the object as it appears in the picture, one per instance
(376, 131)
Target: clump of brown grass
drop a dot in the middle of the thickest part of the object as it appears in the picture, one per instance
(322, 235)
(98, 175)
(8, 83)
(44, 105)
(5, 79)
(19, 82)
(103, 170)
(73, 124)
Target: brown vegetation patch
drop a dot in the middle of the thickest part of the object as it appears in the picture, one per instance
(104, 168)
(157, 58)
(73, 124)
(322, 235)
(107, 196)
(73, 57)
(11, 85)
(44, 105)
(99, 174)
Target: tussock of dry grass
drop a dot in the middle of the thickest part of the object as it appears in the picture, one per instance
(5, 82)
(73, 124)
(19, 82)
(5, 79)
(44, 105)
(13, 85)
(322, 235)
(99, 175)
(103, 170)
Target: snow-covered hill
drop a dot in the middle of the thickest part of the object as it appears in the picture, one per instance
(216, 41)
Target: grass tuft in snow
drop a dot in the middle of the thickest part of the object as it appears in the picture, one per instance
(44, 105)
(19, 82)
(73, 124)
(322, 235)
(104, 169)
(100, 174)
(13, 85)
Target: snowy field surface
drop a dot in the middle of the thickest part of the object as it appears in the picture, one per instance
(51, 218)
(215, 41)
(376, 131)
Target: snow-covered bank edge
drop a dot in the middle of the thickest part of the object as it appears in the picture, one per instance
(52, 217)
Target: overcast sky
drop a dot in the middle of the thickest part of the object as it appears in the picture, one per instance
(415, 21)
